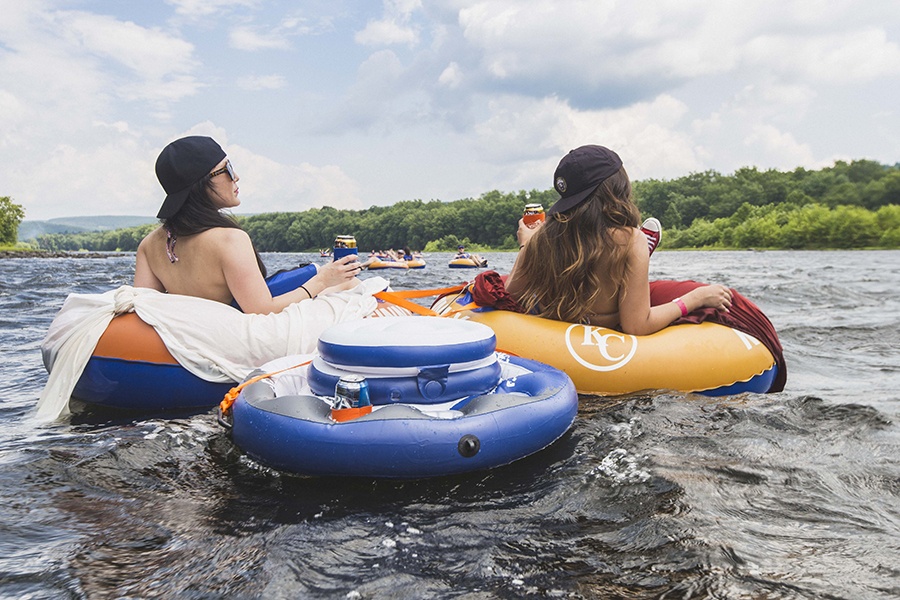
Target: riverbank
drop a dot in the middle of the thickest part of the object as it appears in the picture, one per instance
(46, 254)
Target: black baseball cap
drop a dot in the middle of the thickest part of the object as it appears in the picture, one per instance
(180, 165)
(580, 172)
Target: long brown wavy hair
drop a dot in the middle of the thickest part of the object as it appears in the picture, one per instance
(558, 269)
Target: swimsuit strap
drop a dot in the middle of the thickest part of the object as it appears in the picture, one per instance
(171, 239)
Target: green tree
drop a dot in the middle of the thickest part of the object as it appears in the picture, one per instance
(888, 220)
(11, 216)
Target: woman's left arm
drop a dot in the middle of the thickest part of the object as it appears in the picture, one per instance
(249, 289)
(636, 316)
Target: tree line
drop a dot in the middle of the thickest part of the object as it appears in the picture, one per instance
(849, 205)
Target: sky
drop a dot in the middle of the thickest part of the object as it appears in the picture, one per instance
(356, 103)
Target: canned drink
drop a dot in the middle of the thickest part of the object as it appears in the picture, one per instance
(344, 245)
(345, 241)
(351, 391)
(533, 213)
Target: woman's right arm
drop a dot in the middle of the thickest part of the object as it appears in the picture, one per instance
(523, 233)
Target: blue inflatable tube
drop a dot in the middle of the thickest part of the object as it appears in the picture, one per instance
(531, 407)
(126, 374)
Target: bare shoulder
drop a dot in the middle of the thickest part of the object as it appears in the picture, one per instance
(636, 241)
(627, 236)
(224, 240)
(636, 236)
(151, 238)
(229, 245)
(226, 234)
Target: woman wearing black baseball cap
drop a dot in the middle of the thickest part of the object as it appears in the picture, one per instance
(589, 261)
(215, 258)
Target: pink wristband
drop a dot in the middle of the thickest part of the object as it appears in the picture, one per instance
(680, 303)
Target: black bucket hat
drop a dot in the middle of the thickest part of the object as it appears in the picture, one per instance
(580, 172)
(180, 165)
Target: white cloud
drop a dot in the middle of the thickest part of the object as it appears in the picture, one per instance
(584, 44)
(262, 82)
(456, 97)
(779, 146)
(150, 53)
(114, 175)
(207, 8)
(588, 40)
(385, 33)
(270, 186)
(245, 38)
(253, 38)
(374, 98)
(861, 55)
(452, 76)
(394, 27)
(533, 135)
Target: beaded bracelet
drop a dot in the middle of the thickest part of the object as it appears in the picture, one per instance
(681, 305)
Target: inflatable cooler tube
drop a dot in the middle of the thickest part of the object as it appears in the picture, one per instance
(532, 406)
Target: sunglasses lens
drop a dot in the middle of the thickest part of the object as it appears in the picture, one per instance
(230, 170)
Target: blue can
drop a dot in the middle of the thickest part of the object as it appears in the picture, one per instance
(344, 245)
(351, 391)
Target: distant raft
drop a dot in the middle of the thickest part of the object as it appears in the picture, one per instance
(381, 262)
(385, 263)
(443, 402)
(467, 263)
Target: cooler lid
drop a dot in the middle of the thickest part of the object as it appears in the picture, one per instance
(409, 341)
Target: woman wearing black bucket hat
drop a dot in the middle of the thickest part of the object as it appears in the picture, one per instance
(589, 261)
(215, 258)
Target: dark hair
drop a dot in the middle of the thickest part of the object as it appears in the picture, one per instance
(199, 213)
(559, 266)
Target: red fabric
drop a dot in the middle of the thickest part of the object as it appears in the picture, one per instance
(489, 290)
(743, 316)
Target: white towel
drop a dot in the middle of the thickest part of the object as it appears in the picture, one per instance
(211, 340)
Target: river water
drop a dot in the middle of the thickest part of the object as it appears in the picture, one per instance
(651, 495)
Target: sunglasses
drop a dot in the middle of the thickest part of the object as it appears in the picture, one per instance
(226, 169)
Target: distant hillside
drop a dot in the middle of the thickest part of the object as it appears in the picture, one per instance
(28, 230)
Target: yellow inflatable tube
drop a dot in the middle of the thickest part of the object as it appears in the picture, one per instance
(706, 357)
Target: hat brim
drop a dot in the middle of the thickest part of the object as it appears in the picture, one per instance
(564, 204)
(173, 203)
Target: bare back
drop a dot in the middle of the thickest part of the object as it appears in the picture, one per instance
(199, 268)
